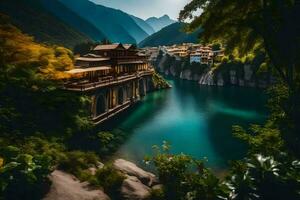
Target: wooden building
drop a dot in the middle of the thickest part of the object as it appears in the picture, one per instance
(114, 75)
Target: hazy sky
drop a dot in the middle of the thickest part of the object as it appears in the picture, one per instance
(147, 8)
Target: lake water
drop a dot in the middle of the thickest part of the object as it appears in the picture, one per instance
(196, 120)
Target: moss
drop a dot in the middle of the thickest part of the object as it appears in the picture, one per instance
(159, 82)
(110, 179)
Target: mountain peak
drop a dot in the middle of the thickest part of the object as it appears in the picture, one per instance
(159, 23)
(165, 17)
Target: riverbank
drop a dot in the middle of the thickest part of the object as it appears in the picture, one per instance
(227, 73)
(119, 180)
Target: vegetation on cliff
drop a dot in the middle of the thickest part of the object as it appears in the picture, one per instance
(271, 168)
(35, 135)
(159, 82)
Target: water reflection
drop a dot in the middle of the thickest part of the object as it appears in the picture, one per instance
(195, 119)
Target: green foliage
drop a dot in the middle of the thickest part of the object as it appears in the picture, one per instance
(31, 100)
(184, 177)
(39, 145)
(103, 143)
(23, 176)
(265, 140)
(157, 194)
(110, 179)
(159, 82)
(263, 177)
(77, 163)
(285, 114)
(33, 18)
(84, 48)
(247, 26)
(175, 30)
(255, 177)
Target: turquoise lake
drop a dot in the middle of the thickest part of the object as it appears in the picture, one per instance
(193, 119)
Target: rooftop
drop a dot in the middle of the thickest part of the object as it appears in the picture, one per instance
(109, 46)
(92, 59)
(89, 69)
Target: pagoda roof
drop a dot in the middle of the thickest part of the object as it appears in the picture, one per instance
(88, 69)
(109, 46)
(129, 46)
(92, 59)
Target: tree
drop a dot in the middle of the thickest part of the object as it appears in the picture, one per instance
(246, 25)
(269, 25)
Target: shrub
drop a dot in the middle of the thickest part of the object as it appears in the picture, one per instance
(108, 178)
(77, 162)
(23, 176)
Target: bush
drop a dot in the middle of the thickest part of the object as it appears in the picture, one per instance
(108, 178)
(184, 177)
(157, 194)
(77, 163)
(23, 176)
(159, 82)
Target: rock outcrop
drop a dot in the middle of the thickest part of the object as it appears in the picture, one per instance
(131, 169)
(207, 78)
(67, 187)
(133, 189)
(138, 182)
(244, 76)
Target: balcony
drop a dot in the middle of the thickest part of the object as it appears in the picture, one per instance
(100, 82)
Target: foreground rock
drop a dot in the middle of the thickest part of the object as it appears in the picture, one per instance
(131, 169)
(67, 187)
(133, 189)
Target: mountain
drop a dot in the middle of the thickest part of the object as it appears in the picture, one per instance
(159, 23)
(32, 18)
(144, 25)
(71, 18)
(172, 34)
(115, 24)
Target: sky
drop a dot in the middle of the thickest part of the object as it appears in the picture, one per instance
(147, 8)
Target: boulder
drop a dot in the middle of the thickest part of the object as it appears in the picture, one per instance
(131, 169)
(133, 189)
(67, 187)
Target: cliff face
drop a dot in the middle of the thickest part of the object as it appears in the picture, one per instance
(244, 75)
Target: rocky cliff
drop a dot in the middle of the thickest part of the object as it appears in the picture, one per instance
(238, 74)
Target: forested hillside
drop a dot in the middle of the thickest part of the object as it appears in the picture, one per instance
(117, 25)
(71, 18)
(175, 30)
(31, 17)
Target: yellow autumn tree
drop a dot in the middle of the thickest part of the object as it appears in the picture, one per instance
(21, 50)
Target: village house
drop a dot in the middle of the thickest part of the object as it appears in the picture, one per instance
(115, 76)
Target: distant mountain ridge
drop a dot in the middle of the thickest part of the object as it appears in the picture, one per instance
(69, 22)
(144, 25)
(172, 34)
(32, 18)
(117, 25)
(71, 18)
(159, 23)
